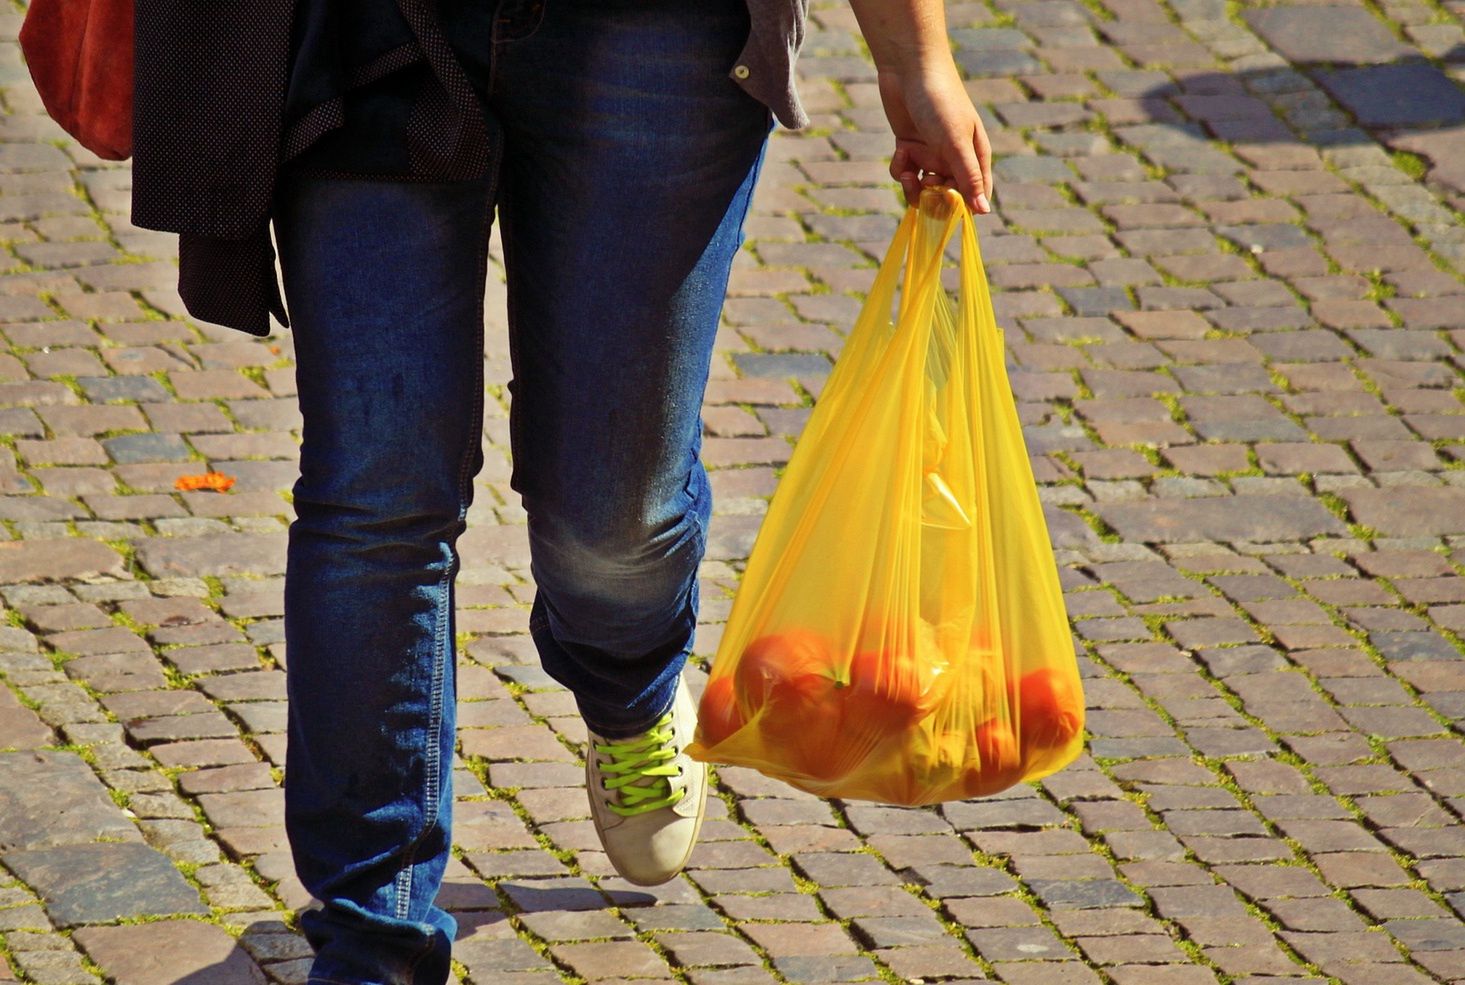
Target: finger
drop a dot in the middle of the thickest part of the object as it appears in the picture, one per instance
(984, 158)
(910, 186)
(971, 180)
(904, 173)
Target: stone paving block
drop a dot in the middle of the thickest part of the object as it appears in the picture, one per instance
(1298, 457)
(54, 967)
(19, 726)
(1412, 512)
(786, 905)
(57, 559)
(1045, 972)
(169, 950)
(1401, 646)
(1409, 95)
(90, 642)
(823, 968)
(505, 957)
(50, 798)
(129, 449)
(937, 960)
(179, 728)
(1427, 842)
(243, 808)
(222, 554)
(136, 670)
(611, 959)
(1234, 519)
(105, 389)
(99, 883)
(707, 949)
(1085, 893)
(1349, 870)
(1429, 935)
(1016, 943)
(226, 779)
(148, 704)
(1357, 403)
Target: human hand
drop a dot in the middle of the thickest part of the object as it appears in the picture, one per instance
(939, 138)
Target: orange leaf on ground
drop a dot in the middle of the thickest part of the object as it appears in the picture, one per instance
(216, 481)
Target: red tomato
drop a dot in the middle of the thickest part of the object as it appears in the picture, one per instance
(797, 659)
(806, 733)
(787, 683)
(934, 761)
(1049, 709)
(996, 745)
(719, 716)
(1000, 764)
(887, 691)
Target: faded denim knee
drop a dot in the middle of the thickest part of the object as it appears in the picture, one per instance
(619, 586)
(616, 610)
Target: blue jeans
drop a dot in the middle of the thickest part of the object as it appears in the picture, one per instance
(628, 162)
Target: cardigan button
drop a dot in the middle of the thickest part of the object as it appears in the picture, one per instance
(742, 72)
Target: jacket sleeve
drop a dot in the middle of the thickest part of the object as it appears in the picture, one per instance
(209, 94)
(208, 100)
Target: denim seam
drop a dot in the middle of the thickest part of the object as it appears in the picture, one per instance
(752, 187)
(445, 647)
(538, 622)
(402, 883)
(498, 41)
(433, 778)
(692, 514)
(538, 22)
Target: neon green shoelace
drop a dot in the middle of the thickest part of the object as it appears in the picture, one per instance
(640, 771)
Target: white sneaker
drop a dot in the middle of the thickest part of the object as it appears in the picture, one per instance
(647, 796)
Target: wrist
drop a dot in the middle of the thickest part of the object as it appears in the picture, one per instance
(920, 76)
(912, 58)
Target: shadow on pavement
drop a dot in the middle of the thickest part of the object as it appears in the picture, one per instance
(1406, 103)
(238, 969)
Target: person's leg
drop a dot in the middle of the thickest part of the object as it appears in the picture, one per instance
(385, 287)
(630, 159)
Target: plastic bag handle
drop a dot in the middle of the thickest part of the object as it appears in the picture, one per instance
(946, 203)
(919, 287)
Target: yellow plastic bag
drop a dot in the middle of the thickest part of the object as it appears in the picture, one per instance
(899, 634)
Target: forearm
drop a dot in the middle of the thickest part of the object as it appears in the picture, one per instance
(903, 35)
(939, 137)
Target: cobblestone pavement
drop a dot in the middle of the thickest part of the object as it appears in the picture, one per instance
(1229, 254)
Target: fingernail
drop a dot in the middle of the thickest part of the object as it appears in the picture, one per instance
(982, 203)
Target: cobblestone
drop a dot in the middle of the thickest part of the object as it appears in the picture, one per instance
(1227, 259)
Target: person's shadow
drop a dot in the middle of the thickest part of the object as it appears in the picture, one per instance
(1396, 97)
(239, 967)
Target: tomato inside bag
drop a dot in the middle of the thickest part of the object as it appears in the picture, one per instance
(899, 634)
